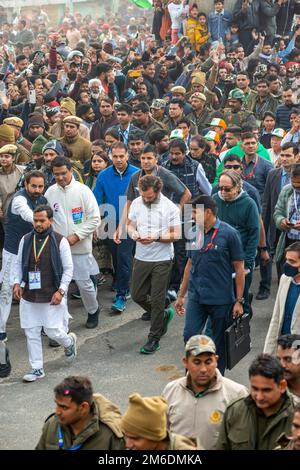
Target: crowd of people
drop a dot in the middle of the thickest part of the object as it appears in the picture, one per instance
(163, 151)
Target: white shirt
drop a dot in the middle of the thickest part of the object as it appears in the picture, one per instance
(155, 220)
(175, 13)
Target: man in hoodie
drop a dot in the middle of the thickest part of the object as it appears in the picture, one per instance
(82, 420)
(240, 211)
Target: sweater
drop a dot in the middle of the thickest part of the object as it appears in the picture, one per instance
(75, 212)
(80, 148)
(242, 214)
(111, 186)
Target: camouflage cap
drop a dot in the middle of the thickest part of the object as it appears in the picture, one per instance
(200, 344)
(158, 104)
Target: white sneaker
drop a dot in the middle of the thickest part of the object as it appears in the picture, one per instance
(71, 351)
(172, 294)
(34, 375)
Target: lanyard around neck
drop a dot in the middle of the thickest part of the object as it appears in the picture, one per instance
(38, 253)
(251, 174)
(209, 244)
(61, 441)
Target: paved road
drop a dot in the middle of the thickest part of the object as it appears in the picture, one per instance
(109, 356)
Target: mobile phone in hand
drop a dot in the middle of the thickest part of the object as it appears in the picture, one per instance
(32, 97)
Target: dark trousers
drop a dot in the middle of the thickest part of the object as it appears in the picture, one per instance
(265, 275)
(1, 236)
(122, 263)
(179, 262)
(220, 317)
(248, 282)
(149, 284)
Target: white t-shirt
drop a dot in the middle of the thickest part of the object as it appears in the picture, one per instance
(156, 220)
(176, 11)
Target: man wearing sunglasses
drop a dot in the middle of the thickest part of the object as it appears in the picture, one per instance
(233, 162)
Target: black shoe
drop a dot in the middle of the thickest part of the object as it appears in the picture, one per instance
(263, 294)
(53, 344)
(150, 347)
(146, 316)
(5, 369)
(93, 319)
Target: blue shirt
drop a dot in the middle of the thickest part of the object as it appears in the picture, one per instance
(289, 308)
(256, 173)
(211, 271)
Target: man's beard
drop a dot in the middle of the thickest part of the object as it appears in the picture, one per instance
(149, 204)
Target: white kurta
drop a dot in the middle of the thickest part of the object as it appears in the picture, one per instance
(44, 314)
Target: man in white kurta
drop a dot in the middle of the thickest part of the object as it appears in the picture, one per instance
(44, 271)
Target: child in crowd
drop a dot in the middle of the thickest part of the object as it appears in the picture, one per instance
(196, 27)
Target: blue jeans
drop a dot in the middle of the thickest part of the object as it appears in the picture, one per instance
(122, 256)
(220, 317)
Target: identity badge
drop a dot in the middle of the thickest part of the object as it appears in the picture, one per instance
(34, 278)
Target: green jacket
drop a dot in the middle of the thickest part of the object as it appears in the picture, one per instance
(239, 426)
(242, 214)
(282, 212)
(237, 150)
(103, 432)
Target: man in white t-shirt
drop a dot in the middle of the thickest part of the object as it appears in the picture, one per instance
(177, 10)
(154, 223)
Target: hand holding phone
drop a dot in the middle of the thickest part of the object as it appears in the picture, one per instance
(32, 97)
(38, 57)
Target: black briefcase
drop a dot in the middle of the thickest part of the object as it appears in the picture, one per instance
(237, 341)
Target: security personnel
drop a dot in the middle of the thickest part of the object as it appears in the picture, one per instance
(208, 276)
(235, 115)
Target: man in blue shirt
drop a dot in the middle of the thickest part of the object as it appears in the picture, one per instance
(255, 168)
(110, 189)
(213, 255)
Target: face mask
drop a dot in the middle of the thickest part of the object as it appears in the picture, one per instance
(289, 270)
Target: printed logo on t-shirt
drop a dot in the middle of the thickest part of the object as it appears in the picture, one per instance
(77, 215)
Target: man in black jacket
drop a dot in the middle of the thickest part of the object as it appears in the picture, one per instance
(246, 14)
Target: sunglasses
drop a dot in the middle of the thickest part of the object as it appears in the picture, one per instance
(226, 189)
(232, 167)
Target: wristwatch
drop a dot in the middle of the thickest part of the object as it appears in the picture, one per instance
(240, 300)
(61, 291)
(263, 248)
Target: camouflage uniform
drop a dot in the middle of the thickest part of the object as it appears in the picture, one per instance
(201, 120)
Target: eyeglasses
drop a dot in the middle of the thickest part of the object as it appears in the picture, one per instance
(232, 167)
(226, 189)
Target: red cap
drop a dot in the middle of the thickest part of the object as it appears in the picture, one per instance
(53, 104)
(105, 26)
